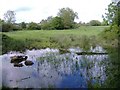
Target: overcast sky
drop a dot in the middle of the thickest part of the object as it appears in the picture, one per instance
(35, 10)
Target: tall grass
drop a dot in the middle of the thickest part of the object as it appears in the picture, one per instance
(29, 39)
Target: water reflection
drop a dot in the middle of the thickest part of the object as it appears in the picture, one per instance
(51, 69)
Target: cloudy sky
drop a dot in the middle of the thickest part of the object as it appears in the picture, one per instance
(35, 10)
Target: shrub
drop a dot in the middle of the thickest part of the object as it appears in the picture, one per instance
(45, 26)
(16, 27)
(6, 27)
(23, 25)
(95, 23)
(33, 26)
(57, 23)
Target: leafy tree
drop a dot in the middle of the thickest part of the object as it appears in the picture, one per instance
(112, 15)
(23, 25)
(5, 27)
(33, 26)
(57, 23)
(95, 23)
(113, 18)
(9, 17)
(49, 18)
(68, 16)
(64, 20)
(45, 25)
(104, 23)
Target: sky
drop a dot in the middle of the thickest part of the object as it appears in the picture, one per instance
(115, 0)
(36, 10)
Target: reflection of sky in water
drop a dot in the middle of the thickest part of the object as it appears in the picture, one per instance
(53, 70)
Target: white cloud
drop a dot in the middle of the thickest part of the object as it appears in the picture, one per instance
(35, 10)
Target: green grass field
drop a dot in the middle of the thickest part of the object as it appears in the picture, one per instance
(29, 39)
(39, 34)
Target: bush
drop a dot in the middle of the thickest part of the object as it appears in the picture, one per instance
(23, 25)
(33, 26)
(6, 27)
(46, 26)
(95, 23)
(110, 36)
(57, 23)
(16, 27)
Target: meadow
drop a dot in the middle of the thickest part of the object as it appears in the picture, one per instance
(37, 34)
(37, 39)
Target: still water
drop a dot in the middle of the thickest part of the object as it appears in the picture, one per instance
(54, 70)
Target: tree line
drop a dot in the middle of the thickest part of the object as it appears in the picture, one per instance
(65, 19)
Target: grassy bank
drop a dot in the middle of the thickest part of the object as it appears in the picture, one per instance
(37, 39)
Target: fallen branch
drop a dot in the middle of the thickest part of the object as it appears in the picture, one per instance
(90, 53)
(23, 79)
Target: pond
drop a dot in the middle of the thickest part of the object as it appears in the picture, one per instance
(51, 69)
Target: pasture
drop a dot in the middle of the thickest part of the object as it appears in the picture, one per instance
(38, 39)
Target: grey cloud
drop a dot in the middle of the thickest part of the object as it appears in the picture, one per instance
(23, 9)
(115, 1)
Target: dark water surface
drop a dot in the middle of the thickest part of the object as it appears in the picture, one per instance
(54, 70)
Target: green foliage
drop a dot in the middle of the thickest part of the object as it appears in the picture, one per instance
(68, 16)
(95, 23)
(118, 13)
(64, 20)
(112, 66)
(52, 23)
(45, 25)
(85, 42)
(6, 27)
(9, 44)
(57, 23)
(23, 25)
(110, 40)
(112, 33)
(109, 37)
(16, 27)
(111, 15)
(104, 23)
(33, 26)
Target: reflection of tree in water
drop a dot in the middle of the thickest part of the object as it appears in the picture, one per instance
(87, 66)
(101, 70)
(53, 70)
(38, 67)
